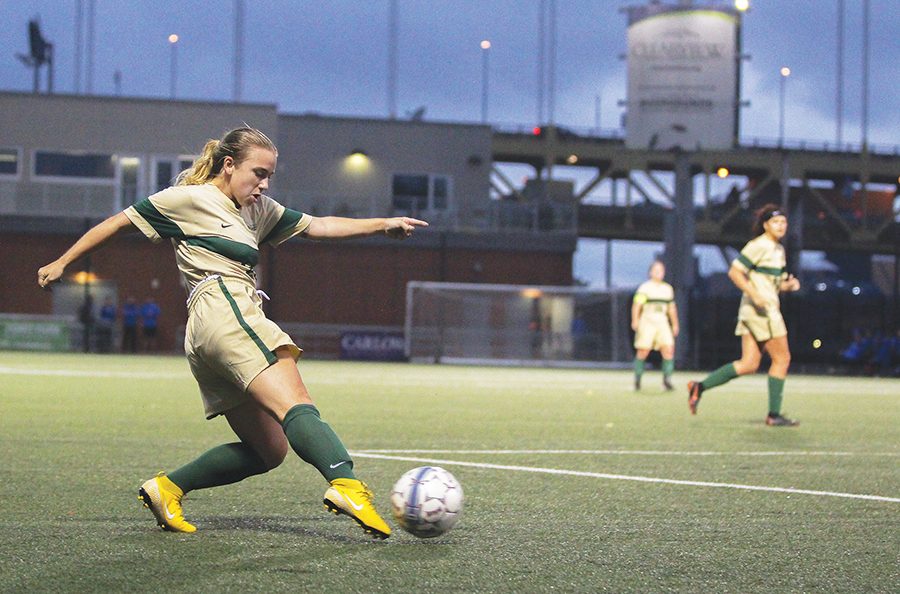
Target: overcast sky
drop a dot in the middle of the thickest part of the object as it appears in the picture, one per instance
(331, 57)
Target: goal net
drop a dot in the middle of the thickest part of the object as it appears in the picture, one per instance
(516, 324)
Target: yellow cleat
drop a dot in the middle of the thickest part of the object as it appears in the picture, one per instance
(163, 498)
(353, 498)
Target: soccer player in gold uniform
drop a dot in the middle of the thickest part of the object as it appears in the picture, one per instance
(216, 216)
(654, 319)
(759, 272)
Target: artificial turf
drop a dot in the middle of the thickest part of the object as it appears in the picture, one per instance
(79, 433)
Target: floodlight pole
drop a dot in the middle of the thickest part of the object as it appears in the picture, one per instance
(36, 76)
(485, 74)
(49, 68)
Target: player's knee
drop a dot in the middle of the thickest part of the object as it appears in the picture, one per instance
(274, 455)
(782, 360)
(747, 365)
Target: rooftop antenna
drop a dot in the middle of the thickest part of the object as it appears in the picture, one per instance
(40, 53)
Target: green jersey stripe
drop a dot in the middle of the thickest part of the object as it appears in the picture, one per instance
(233, 250)
(768, 270)
(160, 222)
(660, 300)
(288, 220)
(746, 261)
(270, 356)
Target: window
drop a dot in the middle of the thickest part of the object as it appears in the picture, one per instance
(72, 164)
(168, 168)
(411, 192)
(415, 193)
(9, 161)
(164, 175)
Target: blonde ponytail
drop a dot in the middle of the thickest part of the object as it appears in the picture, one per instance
(235, 144)
(200, 171)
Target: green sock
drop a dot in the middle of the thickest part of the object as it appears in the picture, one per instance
(638, 368)
(668, 366)
(222, 465)
(316, 443)
(723, 374)
(776, 390)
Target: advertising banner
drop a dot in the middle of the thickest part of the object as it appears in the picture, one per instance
(34, 333)
(682, 76)
(373, 346)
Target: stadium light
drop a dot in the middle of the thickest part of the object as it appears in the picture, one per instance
(722, 172)
(485, 70)
(357, 162)
(785, 73)
(84, 277)
(742, 5)
(173, 66)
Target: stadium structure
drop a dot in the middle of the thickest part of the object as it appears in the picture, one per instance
(68, 161)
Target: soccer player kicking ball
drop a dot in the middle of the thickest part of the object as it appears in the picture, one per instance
(217, 216)
(759, 273)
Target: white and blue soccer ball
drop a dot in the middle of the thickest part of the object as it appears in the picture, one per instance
(427, 501)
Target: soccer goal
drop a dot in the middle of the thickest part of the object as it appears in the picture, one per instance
(516, 324)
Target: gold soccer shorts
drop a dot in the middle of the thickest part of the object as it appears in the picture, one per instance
(229, 341)
(763, 325)
(653, 334)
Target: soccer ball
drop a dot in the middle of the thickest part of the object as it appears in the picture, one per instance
(427, 501)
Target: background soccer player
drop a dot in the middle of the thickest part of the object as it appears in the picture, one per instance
(654, 319)
(217, 215)
(759, 273)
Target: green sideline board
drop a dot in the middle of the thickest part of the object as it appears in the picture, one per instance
(34, 333)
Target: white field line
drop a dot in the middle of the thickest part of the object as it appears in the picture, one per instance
(586, 383)
(632, 452)
(625, 477)
(94, 373)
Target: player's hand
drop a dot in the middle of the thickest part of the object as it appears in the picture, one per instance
(675, 330)
(50, 273)
(402, 227)
(634, 326)
(758, 302)
(791, 284)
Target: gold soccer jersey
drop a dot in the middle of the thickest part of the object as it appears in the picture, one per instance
(655, 298)
(762, 259)
(210, 234)
(653, 330)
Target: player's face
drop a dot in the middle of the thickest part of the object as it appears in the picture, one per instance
(250, 178)
(776, 227)
(658, 271)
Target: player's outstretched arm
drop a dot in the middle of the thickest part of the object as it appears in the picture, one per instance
(88, 242)
(344, 228)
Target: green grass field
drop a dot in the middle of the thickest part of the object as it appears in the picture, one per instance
(78, 434)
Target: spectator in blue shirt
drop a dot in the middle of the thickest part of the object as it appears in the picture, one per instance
(105, 326)
(129, 325)
(149, 315)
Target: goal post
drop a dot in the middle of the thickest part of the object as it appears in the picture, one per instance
(516, 324)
